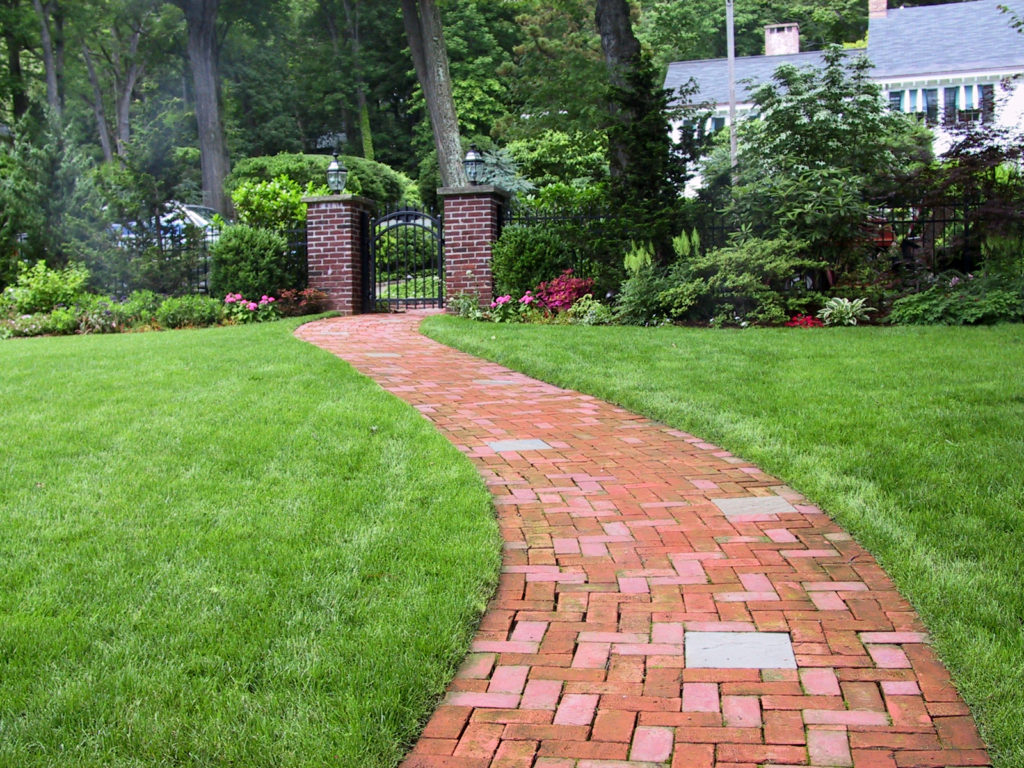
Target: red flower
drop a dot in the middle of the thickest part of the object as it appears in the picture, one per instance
(804, 321)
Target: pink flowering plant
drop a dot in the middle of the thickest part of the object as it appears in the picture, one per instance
(804, 321)
(560, 294)
(505, 309)
(242, 310)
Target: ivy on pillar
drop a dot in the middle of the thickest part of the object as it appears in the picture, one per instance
(334, 249)
(472, 222)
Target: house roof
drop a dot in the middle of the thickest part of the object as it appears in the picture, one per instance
(712, 75)
(906, 42)
(940, 39)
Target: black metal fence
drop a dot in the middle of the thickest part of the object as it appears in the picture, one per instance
(934, 236)
(175, 261)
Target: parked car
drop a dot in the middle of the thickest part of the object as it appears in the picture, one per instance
(175, 223)
(182, 215)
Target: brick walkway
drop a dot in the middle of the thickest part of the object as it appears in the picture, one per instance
(662, 602)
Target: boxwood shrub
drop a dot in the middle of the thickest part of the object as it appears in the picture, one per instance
(253, 262)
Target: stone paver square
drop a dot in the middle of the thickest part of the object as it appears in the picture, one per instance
(531, 444)
(740, 650)
(754, 505)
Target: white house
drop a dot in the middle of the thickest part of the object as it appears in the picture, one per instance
(949, 63)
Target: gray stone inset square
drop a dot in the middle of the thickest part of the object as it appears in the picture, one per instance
(499, 446)
(754, 505)
(496, 382)
(382, 354)
(739, 650)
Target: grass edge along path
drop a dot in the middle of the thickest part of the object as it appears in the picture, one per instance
(225, 546)
(910, 437)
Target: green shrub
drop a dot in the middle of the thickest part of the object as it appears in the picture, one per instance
(39, 289)
(275, 204)
(190, 312)
(525, 256)
(639, 301)
(751, 281)
(139, 308)
(63, 321)
(368, 178)
(963, 300)
(589, 311)
(251, 261)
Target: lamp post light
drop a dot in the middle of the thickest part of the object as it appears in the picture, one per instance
(337, 175)
(474, 165)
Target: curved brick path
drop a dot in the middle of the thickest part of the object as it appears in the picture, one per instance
(662, 602)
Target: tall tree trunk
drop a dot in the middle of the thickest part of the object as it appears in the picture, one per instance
(50, 59)
(365, 132)
(126, 89)
(621, 56)
(200, 18)
(430, 57)
(19, 94)
(97, 105)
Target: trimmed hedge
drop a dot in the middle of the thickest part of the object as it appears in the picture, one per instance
(251, 261)
(368, 178)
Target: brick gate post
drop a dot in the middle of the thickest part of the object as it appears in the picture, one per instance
(472, 222)
(334, 239)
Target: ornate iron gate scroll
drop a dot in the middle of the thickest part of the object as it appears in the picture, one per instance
(403, 261)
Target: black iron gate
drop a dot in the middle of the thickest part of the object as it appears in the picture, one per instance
(403, 261)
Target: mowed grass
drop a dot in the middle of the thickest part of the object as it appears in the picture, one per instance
(225, 547)
(912, 438)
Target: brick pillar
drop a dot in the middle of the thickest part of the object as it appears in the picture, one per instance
(334, 235)
(472, 222)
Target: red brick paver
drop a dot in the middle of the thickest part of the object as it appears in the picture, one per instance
(616, 553)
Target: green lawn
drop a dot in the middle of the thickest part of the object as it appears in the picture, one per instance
(224, 547)
(913, 438)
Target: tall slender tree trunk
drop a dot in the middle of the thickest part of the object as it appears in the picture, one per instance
(430, 57)
(53, 57)
(126, 77)
(365, 132)
(14, 46)
(621, 56)
(97, 106)
(200, 19)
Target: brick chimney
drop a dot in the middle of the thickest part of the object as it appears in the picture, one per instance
(877, 9)
(781, 39)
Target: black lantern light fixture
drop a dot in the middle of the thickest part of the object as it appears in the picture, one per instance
(337, 175)
(474, 165)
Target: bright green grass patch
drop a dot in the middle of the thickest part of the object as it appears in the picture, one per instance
(225, 547)
(912, 437)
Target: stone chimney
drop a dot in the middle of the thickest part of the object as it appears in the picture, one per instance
(877, 9)
(781, 39)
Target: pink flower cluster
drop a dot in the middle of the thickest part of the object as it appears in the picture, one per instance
(252, 306)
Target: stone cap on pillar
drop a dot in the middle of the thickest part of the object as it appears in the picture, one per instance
(473, 190)
(362, 202)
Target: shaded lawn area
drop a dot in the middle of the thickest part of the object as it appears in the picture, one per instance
(225, 547)
(912, 438)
